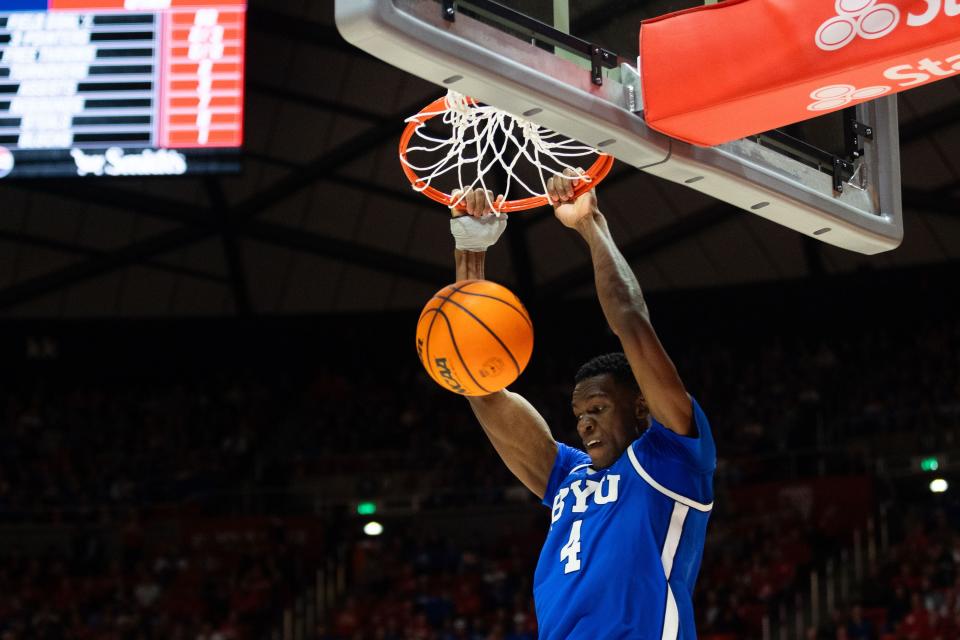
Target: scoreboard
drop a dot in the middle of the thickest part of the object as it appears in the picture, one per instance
(121, 87)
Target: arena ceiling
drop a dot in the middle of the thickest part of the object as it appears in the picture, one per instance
(322, 220)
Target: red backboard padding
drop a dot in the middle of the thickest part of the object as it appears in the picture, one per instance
(717, 73)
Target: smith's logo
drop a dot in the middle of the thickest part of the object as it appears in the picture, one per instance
(871, 20)
(447, 375)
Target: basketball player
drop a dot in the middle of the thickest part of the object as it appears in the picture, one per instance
(629, 512)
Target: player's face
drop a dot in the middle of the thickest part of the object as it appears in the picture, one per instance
(607, 418)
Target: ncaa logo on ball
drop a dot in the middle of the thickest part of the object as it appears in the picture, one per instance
(6, 162)
(448, 376)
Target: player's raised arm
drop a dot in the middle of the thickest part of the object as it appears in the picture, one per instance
(625, 309)
(517, 431)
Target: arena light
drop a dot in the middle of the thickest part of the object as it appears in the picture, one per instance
(373, 528)
(366, 508)
(938, 485)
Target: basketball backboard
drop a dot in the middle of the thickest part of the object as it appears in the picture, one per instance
(848, 197)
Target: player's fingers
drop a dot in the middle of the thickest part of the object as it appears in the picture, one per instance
(552, 189)
(573, 177)
(479, 202)
(565, 185)
(455, 201)
(488, 202)
(579, 173)
(483, 202)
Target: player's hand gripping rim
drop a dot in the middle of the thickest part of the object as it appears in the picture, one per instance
(477, 201)
(570, 210)
(480, 226)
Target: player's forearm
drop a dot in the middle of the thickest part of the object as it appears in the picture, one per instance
(519, 435)
(617, 287)
(515, 429)
(470, 264)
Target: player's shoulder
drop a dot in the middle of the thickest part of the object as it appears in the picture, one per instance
(580, 469)
(697, 452)
(571, 459)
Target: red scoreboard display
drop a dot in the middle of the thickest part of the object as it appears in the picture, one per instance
(121, 87)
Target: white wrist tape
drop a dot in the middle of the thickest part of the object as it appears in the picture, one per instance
(477, 234)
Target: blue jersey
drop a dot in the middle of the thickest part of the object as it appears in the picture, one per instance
(625, 543)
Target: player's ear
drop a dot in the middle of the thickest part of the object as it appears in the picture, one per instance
(641, 411)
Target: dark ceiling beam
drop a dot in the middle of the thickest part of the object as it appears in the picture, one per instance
(518, 242)
(929, 124)
(267, 158)
(178, 211)
(813, 256)
(404, 196)
(99, 192)
(408, 196)
(605, 14)
(932, 202)
(518, 238)
(946, 191)
(26, 239)
(401, 196)
(645, 245)
(290, 27)
(349, 252)
(288, 237)
(316, 102)
(324, 164)
(137, 252)
(232, 251)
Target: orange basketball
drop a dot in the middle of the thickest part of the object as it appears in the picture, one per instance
(474, 337)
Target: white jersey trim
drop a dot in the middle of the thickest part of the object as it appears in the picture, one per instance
(693, 504)
(673, 537)
(671, 618)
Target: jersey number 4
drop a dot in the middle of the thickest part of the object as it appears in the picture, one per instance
(571, 551)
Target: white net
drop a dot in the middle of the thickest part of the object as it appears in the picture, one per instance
(483, 138)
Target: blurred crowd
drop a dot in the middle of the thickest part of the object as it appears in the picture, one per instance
(122, 454)
(417, 584)
(226, 585)
(914, 592)
(75, 448)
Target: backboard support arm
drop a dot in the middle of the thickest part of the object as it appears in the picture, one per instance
(480, 57)
(555, 36)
